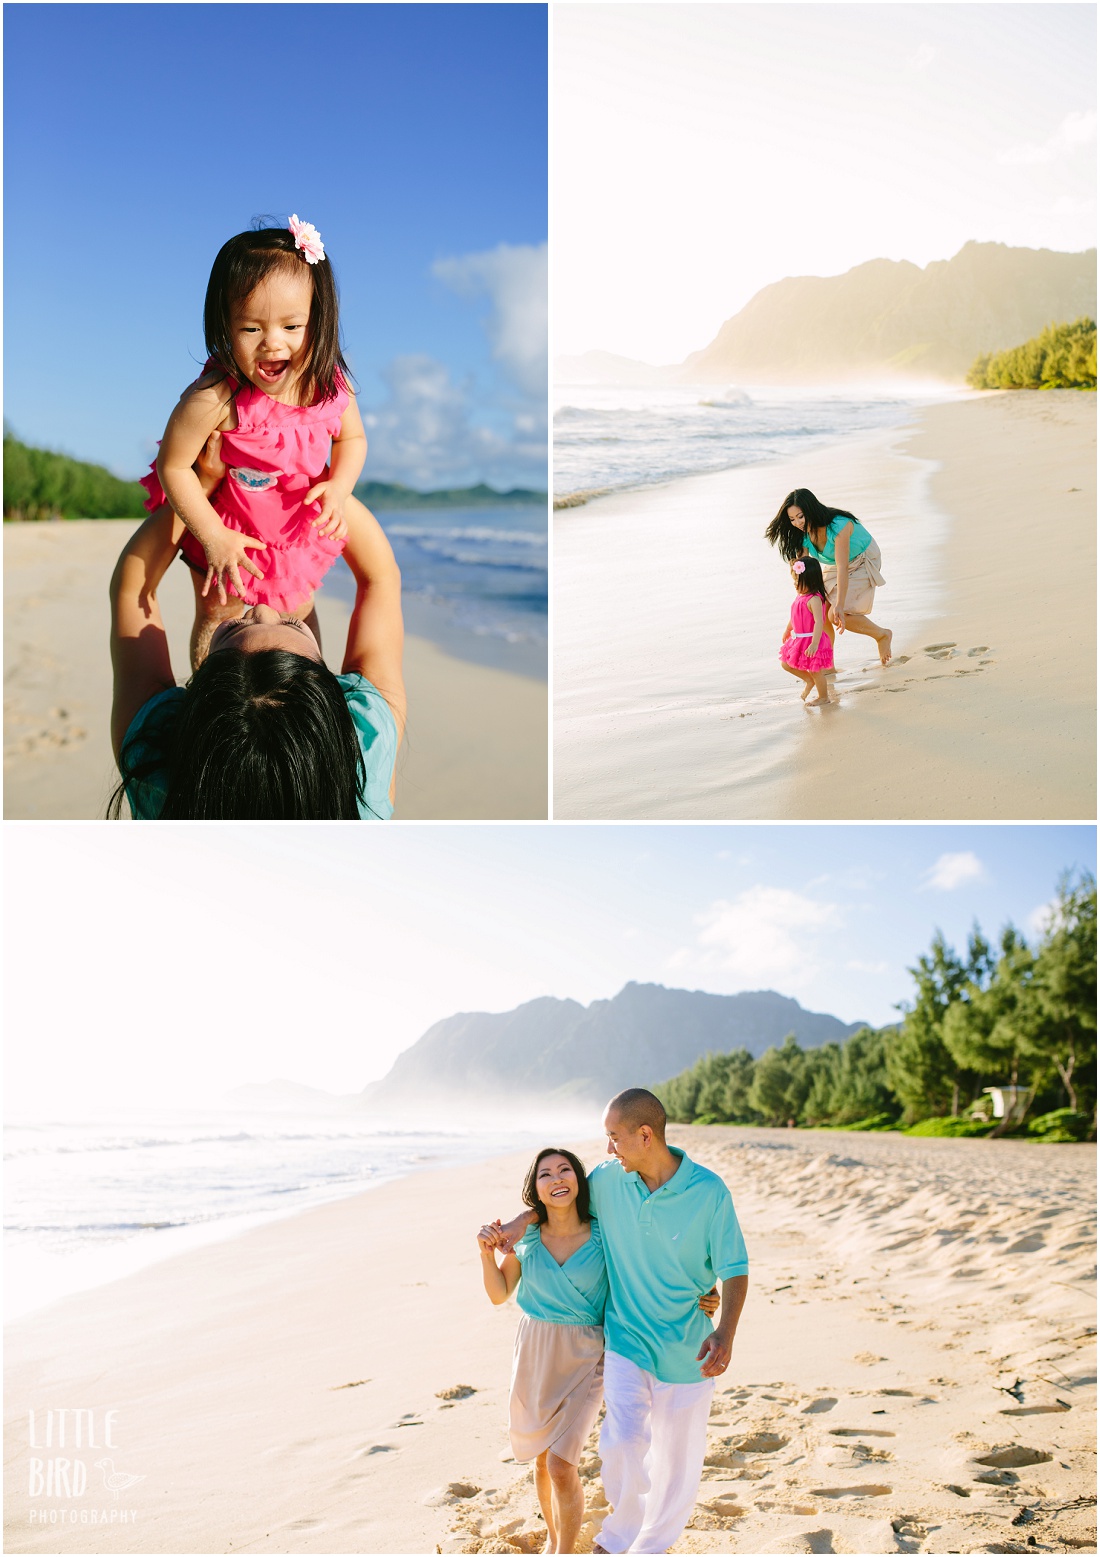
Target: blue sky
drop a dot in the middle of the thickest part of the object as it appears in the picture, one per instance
(140, 137)
(347, 945)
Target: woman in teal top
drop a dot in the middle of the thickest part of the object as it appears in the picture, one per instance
(849, 556)
(557, 1365)
(263, 730)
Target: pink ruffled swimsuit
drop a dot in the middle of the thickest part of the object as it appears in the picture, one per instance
(273, 456)
(796, 650)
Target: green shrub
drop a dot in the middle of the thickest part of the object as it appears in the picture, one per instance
(949, 1127)
(1064, 1124)
(1063, 356)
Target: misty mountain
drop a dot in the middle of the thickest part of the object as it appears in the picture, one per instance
(882, 319)
(558, 1050)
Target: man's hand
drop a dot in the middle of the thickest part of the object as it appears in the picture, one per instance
(714, 1354)
(490, 1236)
(710, 1302)
(330, 522)
(510, 1233)
(226, 555)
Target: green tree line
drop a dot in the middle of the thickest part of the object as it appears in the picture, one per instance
(1063, 356)
(42, 485)
(1010, 1016)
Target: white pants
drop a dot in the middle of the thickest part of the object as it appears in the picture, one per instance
(652, 1444)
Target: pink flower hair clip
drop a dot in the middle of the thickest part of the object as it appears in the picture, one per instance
(799, 566)
(308, 240)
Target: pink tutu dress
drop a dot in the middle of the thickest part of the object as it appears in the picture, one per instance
(273, 456)
(796, 650)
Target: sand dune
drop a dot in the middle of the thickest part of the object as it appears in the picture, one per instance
(915, 1369)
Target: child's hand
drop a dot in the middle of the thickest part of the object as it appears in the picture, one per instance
(330, 522)
(226, 555)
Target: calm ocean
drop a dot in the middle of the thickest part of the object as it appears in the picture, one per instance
(85, 1203)
(614, 439)
(474, 581)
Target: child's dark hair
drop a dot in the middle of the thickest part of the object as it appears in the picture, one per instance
(810, 581)
(788, 537)
(257, 737)
(240, 266)
(530, 1192)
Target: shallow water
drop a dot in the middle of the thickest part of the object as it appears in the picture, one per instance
(669, 610)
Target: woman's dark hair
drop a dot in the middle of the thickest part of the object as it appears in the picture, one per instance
(256, 737)
(810, 580)
(790, 540)
(530, 1193)
(241, 265)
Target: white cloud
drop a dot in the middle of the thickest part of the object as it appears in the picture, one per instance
(1043, 918)
(952, 870)
(921, 60)
(868, 967)
(434, 432)
(1076, 131)
(765, 935)
(514, 278)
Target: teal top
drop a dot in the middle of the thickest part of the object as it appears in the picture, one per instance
(857, 545)
(374, 724)
(571, 1294)
(664, 1250)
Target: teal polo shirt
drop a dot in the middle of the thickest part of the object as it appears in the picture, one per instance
(663, 1251)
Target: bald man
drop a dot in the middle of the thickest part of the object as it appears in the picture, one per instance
(669, 1231)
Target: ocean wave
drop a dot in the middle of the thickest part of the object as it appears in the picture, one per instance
(469, 533)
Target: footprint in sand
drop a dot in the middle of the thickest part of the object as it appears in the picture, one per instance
(1012, 1456)
(821, 1404)
(806, 1541)
(860, 1432)
(456, 1392)
(939, 648)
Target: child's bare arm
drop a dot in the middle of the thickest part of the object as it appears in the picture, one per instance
(819, 623)
(200, 412)
(376, 633)
(349, 453)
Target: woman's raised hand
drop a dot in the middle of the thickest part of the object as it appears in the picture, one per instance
(491, 1236)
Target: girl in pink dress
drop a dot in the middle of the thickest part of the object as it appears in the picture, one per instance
(274, 396)
(807, 649)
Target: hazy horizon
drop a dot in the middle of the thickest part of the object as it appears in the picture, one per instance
(319, 957)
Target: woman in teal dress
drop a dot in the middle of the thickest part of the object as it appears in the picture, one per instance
(558, 1273)
(849, 556)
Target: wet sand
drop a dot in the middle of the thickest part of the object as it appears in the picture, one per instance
(668, 700)
(476, 740)
(915, 1369)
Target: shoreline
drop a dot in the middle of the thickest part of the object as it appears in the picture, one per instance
(476, 741)
(337, 1382)
(648, 734)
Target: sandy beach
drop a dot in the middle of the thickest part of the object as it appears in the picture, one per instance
(476, 739)
(914, 1370)
(985, 512)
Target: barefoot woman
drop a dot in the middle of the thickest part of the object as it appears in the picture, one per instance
(557, 1366)
(849, 557)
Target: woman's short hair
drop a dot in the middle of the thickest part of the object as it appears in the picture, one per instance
(241, 264)
(530, 1193)
(256, 737)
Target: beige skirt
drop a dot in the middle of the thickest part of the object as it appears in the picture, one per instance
(864, 575)
(557, 1387)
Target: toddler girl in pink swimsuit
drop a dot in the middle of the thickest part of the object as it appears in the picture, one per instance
(274, 394)
(807, 649)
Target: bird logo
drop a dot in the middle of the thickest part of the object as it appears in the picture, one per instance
(116, 1481)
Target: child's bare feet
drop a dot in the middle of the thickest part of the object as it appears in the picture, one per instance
(818, 702)
(806, 690)
(884, 647)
